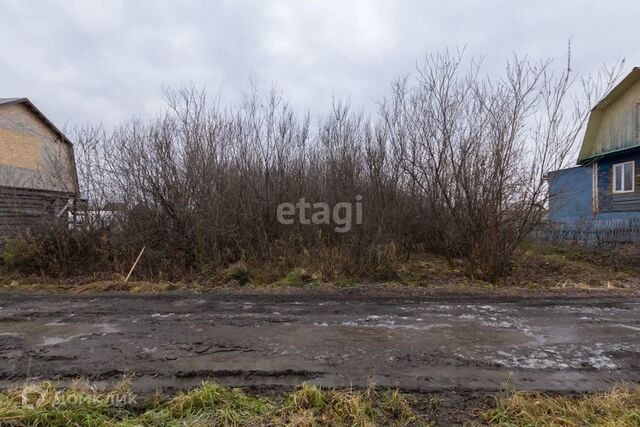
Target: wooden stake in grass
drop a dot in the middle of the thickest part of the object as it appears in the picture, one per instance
(134, 264)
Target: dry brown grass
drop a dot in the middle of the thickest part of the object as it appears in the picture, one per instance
(570, 268)
(619, 407)
(536, 268)
(211, 405)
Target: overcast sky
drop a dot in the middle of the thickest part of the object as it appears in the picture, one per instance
(107, 60)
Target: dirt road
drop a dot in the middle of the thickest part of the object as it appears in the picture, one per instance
(338, 339)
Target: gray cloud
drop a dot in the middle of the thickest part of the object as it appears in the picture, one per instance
(107, 60)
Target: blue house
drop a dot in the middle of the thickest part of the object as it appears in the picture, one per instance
(604, 185)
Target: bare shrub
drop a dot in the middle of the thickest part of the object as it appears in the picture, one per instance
(454, 163)
(477, 149)
(200, 185)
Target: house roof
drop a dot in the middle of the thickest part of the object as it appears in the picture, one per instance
(620, 88)
(590, 148)
(34, 110)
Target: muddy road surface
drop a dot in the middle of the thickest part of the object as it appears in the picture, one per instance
(175, 341)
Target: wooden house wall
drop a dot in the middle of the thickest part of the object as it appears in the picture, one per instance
(618, 127)
(570, 194)
(609, 201)
(21, 208)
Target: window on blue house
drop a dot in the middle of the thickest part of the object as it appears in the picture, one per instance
(623, 177)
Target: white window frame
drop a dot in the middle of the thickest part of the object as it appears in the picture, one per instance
(620, 166)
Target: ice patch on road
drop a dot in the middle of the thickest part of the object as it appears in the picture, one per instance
(500, 322)
(601, 362)
(387, 322)
(10, 334)
(416, 327)
(537, 360)
(548, 358)
(633, 328)
(59, 340)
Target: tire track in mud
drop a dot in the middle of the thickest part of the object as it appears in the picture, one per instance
(333, 339)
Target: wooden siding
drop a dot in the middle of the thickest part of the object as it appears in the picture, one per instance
(613, 123)
(608, 201)
(21, 208)
(570, 194)
(618, 126)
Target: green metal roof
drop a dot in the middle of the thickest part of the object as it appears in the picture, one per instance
(591, 148)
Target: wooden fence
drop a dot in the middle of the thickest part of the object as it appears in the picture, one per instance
(594, 233)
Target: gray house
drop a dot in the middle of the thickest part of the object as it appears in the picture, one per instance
(38, 178)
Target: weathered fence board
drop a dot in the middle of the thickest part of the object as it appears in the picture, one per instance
(597, 232)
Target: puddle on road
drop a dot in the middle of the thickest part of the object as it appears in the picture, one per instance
(494, 335)
(48, 334)
(502, 335)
